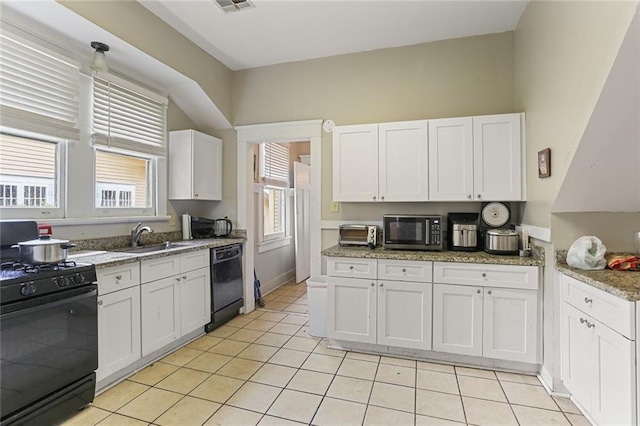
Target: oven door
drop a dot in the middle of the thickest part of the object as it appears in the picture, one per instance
(227, 283)
(47, 343)
(405, 231)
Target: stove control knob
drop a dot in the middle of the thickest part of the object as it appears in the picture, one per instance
(32, 289)
(79, 278)
(24, 289)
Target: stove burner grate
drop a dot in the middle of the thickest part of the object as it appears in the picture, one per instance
(32, 269)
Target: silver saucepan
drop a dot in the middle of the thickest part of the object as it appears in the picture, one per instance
(44, 250)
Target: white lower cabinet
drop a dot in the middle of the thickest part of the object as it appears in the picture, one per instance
(160, 314)
(387, 312)
(598, 363)
(457, 319)
(195, 297)
(118, 330)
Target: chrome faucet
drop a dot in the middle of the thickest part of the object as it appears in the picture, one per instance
(136, 231)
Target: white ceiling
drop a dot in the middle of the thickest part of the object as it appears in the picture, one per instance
(278, 31)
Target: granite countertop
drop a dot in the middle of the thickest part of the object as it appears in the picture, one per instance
(624, 284)
(104, 259)
(536, 258)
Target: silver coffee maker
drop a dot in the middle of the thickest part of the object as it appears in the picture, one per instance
(462, 231)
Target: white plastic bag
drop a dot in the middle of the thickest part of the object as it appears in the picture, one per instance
(587, 253)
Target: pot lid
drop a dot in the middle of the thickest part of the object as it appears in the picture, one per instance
(501, 232)
(495, 214)
(42, 241)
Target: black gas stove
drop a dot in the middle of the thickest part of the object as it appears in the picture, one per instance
(48, 334)
(19, 281)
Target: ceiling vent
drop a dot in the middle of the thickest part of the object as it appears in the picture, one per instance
(234, 5)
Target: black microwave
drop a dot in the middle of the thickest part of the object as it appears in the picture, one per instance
(412, 232)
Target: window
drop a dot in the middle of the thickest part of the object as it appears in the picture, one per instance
(129, 133)
(274, 195)
(8, 195)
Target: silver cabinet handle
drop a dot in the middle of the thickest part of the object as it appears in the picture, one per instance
(479, 196)
(484, 275)
(118, 277)
(587, 300)
(373, 284)
(351, 267)
(381, 284)
(478, 291)
(374, 197)
(582, 320)
(100, 302)
(404, 269)
(196, 195)
(488, 291)
(469, 196)
(590, 325)
(184, 277)
(382, 197)
(178, 279)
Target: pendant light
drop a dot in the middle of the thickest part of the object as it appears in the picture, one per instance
(99, 61)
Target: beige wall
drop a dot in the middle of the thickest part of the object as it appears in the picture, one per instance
(461, 77)
(563, 53)
(133, 23)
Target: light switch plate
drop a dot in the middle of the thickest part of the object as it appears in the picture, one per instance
(172, 220)
(335, 207)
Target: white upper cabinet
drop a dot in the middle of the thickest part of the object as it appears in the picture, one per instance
(402, 161)
(380, 162)
(355, 163)
(195, 166)
(451, 159)
(476, 158)
(497, 158)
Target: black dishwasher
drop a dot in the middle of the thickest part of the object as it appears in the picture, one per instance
(226, 285)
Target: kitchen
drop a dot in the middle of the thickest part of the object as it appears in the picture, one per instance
(541, 69)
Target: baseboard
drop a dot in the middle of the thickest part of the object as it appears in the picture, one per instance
(277, 281)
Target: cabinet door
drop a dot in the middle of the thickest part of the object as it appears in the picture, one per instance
(613, 398)
(576, 354)
(404, 314)
(180, 165)
(457, 319)
(510, 326)
(195, 300)
(355, 163)
(160, 314)
(403, 161)
(352, 309)
(207, 167)
(451, 159)
(118, 331)
(497, 159)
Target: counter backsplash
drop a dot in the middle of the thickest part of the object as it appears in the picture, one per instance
(111, 243)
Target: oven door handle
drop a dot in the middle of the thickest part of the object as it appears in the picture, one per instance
(51, 301)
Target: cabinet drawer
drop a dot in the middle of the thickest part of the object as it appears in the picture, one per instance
(162, 267)
(194, 260)
(405, 270)
(612, 311)
(118, 277)
(351, 267)
(503, 276)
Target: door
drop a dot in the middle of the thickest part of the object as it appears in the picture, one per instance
(352, 309)
(451, 159)
(497, 160)
(402, 151)
(207, 164)
(404, 314)
(577, 371)
(302, 198)
(613, 397)
(160, 310)
(457, 319)
(510, 328)
(195, 300)
(355, 163)
(118, 330)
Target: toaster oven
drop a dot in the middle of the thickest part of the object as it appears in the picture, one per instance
(359, 235)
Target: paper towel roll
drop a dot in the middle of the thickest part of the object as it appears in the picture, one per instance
(186, 226)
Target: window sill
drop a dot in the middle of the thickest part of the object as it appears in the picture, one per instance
(265, 246)
(105, 220)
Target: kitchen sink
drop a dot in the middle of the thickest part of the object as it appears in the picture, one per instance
(151, 249)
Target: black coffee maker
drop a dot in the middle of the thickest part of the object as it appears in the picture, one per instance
(462, 231)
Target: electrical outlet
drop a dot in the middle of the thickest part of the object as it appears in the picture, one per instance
(335, 207)
(172, 220)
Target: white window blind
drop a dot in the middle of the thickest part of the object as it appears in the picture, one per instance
(127, 118)
(39, 89)
(275, 164)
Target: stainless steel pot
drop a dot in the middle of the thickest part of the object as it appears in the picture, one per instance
(44, 250)
(501, 241)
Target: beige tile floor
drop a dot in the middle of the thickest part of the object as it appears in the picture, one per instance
(265, 369)
(290, 297)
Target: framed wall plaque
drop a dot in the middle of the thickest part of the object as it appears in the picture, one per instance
(544, 163)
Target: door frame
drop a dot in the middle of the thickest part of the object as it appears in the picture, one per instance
(249, 135)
